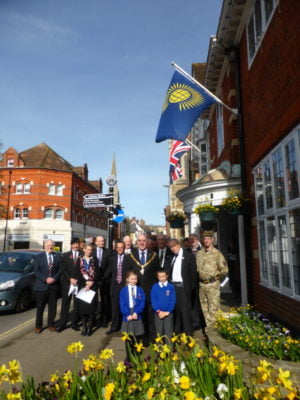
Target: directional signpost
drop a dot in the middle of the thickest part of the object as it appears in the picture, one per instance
(96, 200)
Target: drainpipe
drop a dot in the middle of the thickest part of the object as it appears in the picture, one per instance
(7, 211)
(242, 223)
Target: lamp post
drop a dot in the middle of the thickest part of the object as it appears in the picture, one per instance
(7, 210)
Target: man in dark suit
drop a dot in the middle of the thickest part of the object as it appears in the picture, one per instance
(116, 273)
(103, 255)
(184, 278)
(145, 263)
(69, 261)
(165, 255)
(47, 269)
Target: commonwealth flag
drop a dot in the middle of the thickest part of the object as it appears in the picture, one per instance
(184, 102)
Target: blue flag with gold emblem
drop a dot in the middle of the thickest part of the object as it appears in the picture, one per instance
(184, 102)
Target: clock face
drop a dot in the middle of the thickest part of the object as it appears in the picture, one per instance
(111, 180)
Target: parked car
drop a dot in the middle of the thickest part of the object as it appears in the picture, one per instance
(16, 279)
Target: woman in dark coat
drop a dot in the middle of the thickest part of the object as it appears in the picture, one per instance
(87, 275)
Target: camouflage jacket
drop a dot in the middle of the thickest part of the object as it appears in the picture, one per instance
(211, 264)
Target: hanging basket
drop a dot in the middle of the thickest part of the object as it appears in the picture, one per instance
(235, 211)
(207, 216)
(177, 224)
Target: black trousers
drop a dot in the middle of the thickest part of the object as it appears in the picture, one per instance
(65, 307)
(44, 297)
(183, 317)
(105, 306)
(116, 316)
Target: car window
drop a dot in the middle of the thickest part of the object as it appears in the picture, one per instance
(15, 262)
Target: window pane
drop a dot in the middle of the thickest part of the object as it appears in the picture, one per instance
(59, 190)
(291, 170)
(258, 20)
(51, 189)
(25, 213)
(263, 250)
(268, 185)
(259, 186)
(278, 178)
(251, 39)
(19, 188)
(295, 245)
(10, 162)
(17, 213)
(27, 188)
(273, 251)
(284, 254)
(59, 214)
(48, 213)
(268, 4)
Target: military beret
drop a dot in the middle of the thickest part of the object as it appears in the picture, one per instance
(207, 234)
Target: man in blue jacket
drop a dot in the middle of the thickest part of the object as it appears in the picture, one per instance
(47, 269)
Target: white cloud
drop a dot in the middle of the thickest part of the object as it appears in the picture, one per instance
(28, 29)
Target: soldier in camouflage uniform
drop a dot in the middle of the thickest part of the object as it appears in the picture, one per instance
(211, 266)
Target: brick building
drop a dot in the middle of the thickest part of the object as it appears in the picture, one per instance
(42, 198)
(252, 65)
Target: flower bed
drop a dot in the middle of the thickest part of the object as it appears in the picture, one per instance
(254, 332)
(179, 370)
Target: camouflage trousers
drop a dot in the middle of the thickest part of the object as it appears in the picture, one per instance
(210, 301)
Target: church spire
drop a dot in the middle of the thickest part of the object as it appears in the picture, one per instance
(116, 194)
(113, 166)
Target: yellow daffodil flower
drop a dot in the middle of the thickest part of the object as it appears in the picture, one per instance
(238, 394)
(14, 396)
(121, 367)
(189, 395)
(283, 379)
(125, 336)
(106, 354)
(146, 377)
(184, 382)
(109, 389)
(75, 347)
(139, 347)
(150, 393)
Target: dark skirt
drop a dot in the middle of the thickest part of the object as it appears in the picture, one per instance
(85, 308)
(135, 327)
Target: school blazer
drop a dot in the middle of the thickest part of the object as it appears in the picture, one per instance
(139, 302)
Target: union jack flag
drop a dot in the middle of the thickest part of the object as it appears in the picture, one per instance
(175, 172)
(177, 150)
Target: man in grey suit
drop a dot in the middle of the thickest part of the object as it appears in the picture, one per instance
(47, 269)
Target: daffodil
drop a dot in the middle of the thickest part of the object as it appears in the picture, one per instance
(106, 354)
(146, 377)
(108, 391)
(121, 367)
(238, 394)
(14, 396)
(75, 347)
(125, 336)
(283, 379)
(132, 388)
(265, 370)
(139, 347)
(174, 339)
(200, 353)
(162, 394)
(291, 395)
(150, 393)
(53, 378)
(184, 382)
(189, 395)
(159, 339)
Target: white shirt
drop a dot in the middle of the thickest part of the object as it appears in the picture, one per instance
(130, 295)
(127, 251)
(162, 253)
(145, 254)
(75, 254)
(99, 253)
(176, 276)
(163, 284)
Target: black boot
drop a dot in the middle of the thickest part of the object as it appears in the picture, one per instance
(88, 331)
(84, 327)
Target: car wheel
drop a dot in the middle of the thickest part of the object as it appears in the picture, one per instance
(23, 301)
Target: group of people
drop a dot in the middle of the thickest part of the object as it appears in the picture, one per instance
(153, 288)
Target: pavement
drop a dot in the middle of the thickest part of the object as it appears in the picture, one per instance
(42, 354)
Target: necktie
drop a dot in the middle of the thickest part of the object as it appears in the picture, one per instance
(132, 296)
(99, 256)
(119, 270)
(50, 263)
(75, 256)
(161, 258)
(142, 260)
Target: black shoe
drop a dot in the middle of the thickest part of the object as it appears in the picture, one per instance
(88, 331)
(111, 331)
(60, 328)
(75, 328)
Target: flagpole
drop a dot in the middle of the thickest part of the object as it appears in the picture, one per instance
(193, 145)
(234, 111)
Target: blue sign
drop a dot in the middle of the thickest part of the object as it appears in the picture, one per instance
(119, 217)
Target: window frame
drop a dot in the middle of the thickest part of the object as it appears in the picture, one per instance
(283, 249)
(264, 27)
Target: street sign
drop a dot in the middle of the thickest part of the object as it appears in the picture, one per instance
(106, 214)
(90, 203)
(120, 216)
(97, 196)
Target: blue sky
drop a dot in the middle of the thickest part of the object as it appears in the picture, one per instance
(88, 77)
